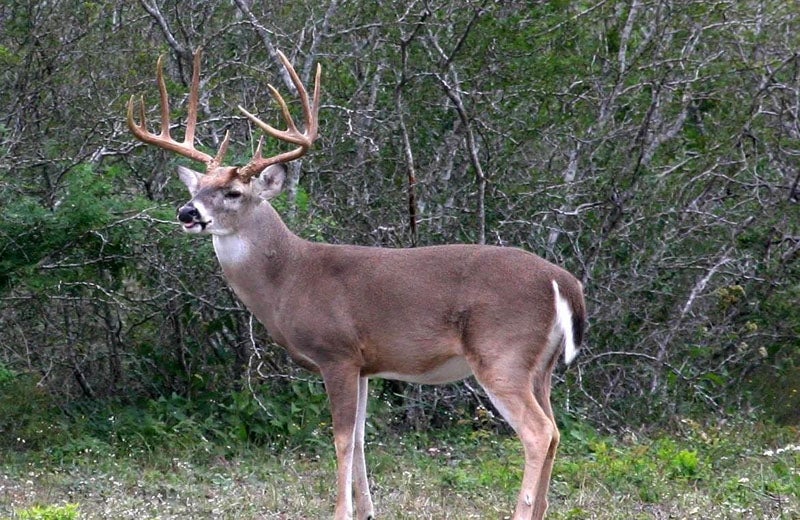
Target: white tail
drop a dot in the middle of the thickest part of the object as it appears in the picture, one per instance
(564, 323)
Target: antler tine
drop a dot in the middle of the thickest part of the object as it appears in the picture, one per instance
(162, 94)
(310, 113)
(194, 95)
(317, 90)
(163, 139)
(292, 135)
(223, 147)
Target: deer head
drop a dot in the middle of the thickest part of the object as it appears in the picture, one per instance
(223, 193)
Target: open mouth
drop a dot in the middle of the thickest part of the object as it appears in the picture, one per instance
(195, 225)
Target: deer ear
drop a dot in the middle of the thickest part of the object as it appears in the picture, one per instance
(190, 178)
(270, 183)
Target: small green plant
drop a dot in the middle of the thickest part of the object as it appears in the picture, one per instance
(6, 374)
(298, 414)
(685, 464)
(682, 463)
(65, 512)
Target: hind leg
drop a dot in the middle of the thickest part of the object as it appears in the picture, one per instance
(541, 391)
(511, 393)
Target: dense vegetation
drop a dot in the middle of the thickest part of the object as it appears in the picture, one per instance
(651, 147)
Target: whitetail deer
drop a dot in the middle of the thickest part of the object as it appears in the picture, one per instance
(424, 315)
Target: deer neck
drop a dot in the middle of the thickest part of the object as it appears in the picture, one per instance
(258, 259)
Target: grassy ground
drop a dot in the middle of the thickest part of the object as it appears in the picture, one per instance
(740, 471)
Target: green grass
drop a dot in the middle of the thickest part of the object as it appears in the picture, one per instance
(65, 512)
(745, 470)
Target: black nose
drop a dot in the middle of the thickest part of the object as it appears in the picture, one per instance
(188, 214)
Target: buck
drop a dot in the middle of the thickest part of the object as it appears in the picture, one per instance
(424, 315)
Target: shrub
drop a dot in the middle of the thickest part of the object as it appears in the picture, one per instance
(65, 512)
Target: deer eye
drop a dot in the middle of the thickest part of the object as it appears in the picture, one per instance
(233, 194)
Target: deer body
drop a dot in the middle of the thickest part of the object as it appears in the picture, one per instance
(455, 296)
(427, 315)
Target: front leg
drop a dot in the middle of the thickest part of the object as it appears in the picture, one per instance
(341, 384)
(364, 507)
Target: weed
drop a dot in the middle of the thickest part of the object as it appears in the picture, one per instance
(65, 512)
(685, 464)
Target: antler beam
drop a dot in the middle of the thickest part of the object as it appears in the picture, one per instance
(303, 140)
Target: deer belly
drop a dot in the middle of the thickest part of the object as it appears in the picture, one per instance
(451, 370)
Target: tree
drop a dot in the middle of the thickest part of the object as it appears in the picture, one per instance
(650, 147)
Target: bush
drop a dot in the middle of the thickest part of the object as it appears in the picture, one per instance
(29, 417)
(65, 512)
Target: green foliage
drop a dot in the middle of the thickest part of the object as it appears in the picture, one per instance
(79, 231)
(659, 170)
(6, 374)
(295, 413)
(65, 512)
(499, 466)
(684, 464)
(29, 417)
(465, 458)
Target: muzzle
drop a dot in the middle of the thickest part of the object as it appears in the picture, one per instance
(189, 216)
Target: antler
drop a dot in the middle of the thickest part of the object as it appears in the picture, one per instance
(163, 140)
(303, 140)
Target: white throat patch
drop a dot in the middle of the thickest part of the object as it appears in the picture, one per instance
(230, 249)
